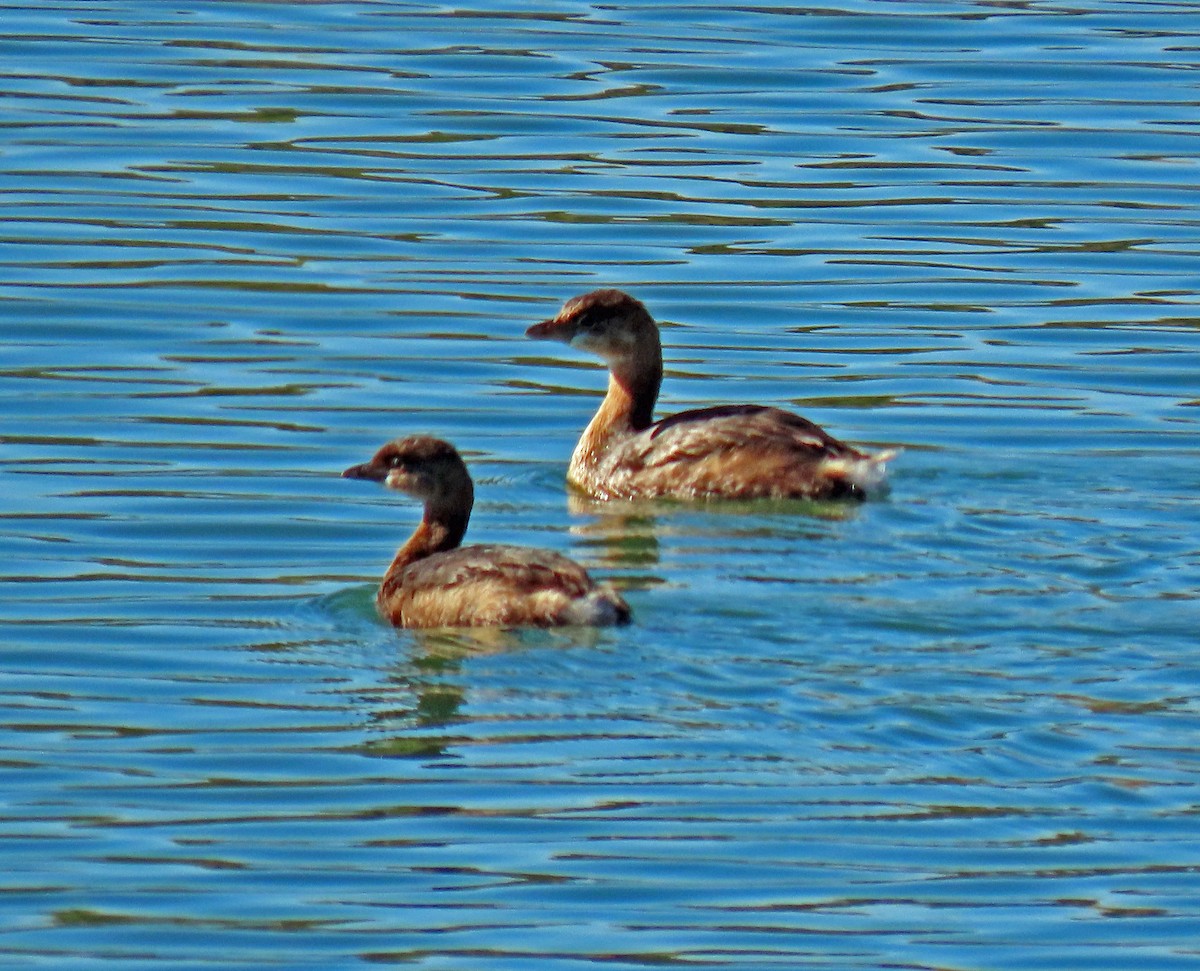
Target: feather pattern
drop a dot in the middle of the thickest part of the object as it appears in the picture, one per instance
(732, 451)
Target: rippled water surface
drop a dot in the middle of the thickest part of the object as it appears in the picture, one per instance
(244, 244)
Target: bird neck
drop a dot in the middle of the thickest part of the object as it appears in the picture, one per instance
(442, 527)
(628, 407)
(633, 384)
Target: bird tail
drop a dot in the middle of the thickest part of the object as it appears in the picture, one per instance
(600, 606)
(863, 473)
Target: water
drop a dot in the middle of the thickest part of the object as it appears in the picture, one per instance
(245, 244)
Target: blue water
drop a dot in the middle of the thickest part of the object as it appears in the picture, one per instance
(244, 244)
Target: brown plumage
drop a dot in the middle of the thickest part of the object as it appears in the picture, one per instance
(434, 582)
(730, 451)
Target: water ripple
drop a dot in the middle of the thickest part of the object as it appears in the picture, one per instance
(244, 244)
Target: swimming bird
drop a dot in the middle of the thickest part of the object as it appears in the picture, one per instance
(723, 452)
(435, 582)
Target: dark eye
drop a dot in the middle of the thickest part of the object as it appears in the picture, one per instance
(396, 462)
(588, 319)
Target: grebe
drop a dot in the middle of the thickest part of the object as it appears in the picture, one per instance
(434, 582)
(729, 451)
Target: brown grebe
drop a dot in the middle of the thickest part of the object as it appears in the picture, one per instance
(435, 582)
(729, 451)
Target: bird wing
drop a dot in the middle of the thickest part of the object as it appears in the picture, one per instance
(747, 428)
(486, 585)
(732, 451)
(519, 569)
